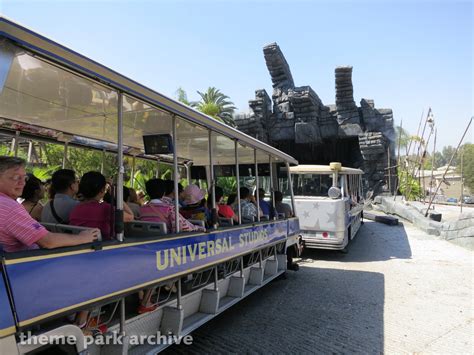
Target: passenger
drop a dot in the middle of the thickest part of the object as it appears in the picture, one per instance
(93, 211)
(231, 199)
(265, 207)
(180, 194)
(224, 210)
(158, 211)
(32, 194)
(282, 207)
(64, 187)
(248, 205)
(128, 214)
(194, 203)
(18, 230)
(133, 202)
(169, 196)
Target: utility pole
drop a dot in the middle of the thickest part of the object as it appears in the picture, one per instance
(433, 163)
(462, 177)
(449, 164)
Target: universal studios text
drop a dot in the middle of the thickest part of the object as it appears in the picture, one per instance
(104, 339)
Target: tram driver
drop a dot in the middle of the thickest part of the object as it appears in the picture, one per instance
(18, 230)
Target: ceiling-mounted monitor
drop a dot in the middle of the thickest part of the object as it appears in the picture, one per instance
(158, 144)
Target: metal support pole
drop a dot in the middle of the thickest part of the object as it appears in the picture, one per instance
(179, 294)
(15, 143)
(256, 184)
(216, 278)
(389, 171)
(132, 178)
(157, 175)
(176, 177)
(122, 316)
(102, 163)
(212, 187)
(30, 151)
(291, 188)
(119, 200)
(272, 187)
(433, 162)
(447, 168)
(65, 154)
(237, 176)
(188, 172)
(462, 177)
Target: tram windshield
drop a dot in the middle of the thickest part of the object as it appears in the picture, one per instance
(312, 184)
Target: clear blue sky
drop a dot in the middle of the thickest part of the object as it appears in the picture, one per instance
(407, 55)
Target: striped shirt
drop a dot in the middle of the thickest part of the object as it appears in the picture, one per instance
(18, 230)
(161, 211)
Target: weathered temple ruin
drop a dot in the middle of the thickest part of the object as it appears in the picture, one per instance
(296, 121)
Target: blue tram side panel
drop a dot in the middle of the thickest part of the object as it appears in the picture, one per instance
(293, 226)
(48, 285)
(7, 323)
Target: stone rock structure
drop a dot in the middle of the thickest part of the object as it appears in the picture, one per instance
(296, 121)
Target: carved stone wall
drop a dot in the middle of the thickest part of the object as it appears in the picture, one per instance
(296, 121)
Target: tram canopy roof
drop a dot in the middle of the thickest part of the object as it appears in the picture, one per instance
(322, 169)
(45, 84)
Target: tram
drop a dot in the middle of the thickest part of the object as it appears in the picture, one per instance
(328, 200)
(49, 92)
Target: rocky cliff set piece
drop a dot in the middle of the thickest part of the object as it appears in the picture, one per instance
(296, 121)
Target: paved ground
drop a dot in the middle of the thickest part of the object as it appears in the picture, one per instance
(397, 291)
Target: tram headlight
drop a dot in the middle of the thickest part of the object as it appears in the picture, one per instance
(334, 192)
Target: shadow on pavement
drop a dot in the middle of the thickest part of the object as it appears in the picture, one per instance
(314, 310)
(373, 242)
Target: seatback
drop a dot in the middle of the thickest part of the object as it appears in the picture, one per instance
(248, 220)
(225, 222)
(197, 222)
(141, 229)
(67, 229)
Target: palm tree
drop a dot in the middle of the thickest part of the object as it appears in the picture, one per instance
(182, 96)
(215, 104)
(403, 137)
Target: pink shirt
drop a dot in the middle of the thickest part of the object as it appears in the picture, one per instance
(18, 230)
(157, 211)
(93, 214)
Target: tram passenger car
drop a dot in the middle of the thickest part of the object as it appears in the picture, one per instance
(49, 92)
(328, 201)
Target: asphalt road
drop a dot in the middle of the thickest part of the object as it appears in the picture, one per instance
(398, 290)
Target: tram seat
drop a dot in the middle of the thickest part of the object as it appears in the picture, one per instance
(67, 229)
(248, 220)
(198, 222)
(142, 229)
(225, 222)
(265, 217)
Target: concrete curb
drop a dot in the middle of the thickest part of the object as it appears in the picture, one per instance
(460, 232)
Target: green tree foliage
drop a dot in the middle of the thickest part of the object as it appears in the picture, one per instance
(409, 186)
(404, 137)
(215, 104)
(468, 165)
(448, 153)
(228, 184)
(181, 96)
